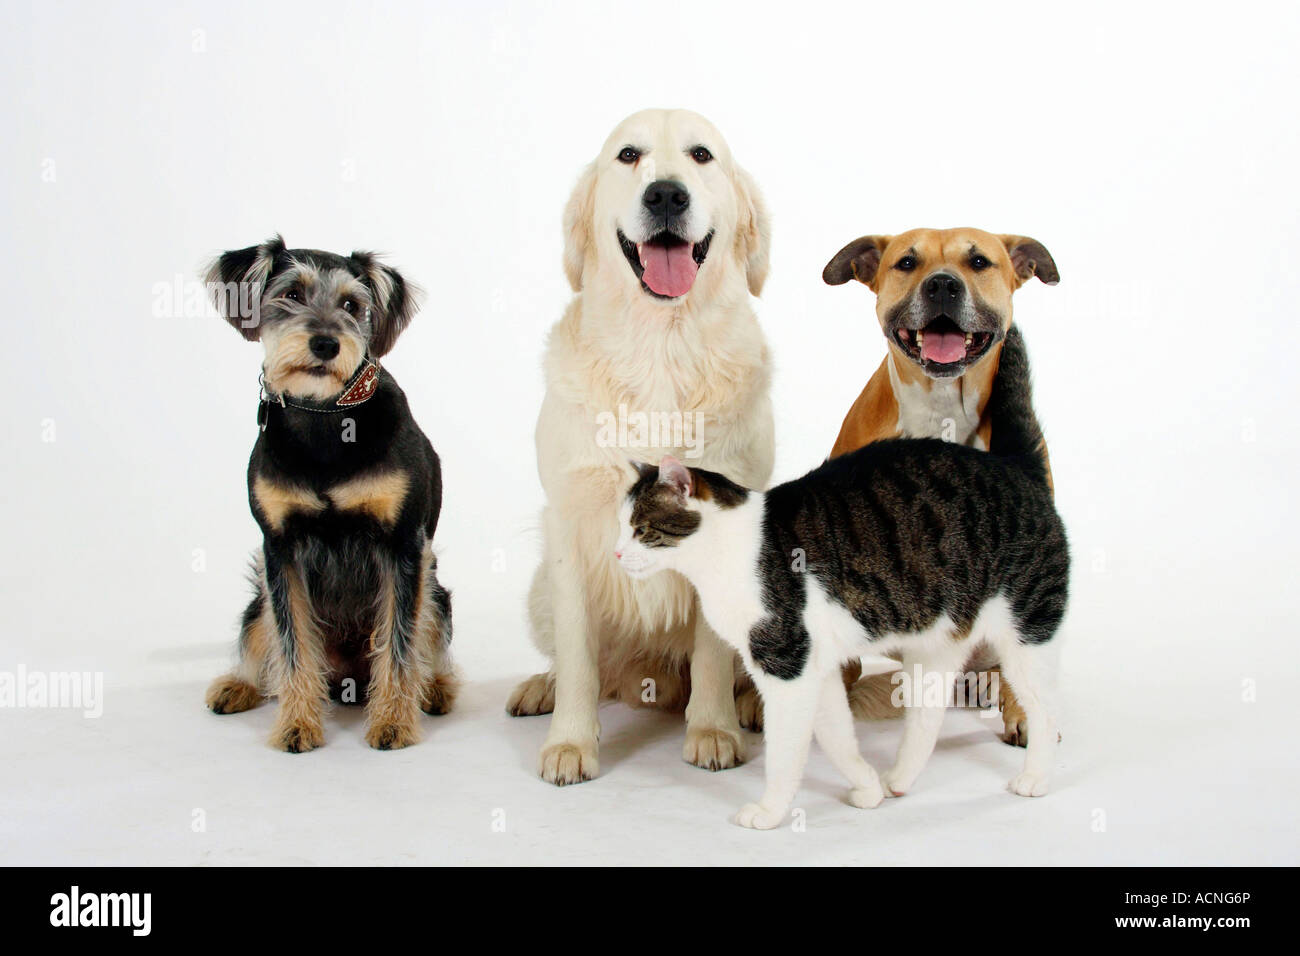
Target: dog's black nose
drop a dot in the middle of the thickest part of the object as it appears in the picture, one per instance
(943, 289)
(666, 198)
(324, 346)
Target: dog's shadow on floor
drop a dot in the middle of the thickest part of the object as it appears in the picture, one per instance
(628, 731)
(625, 731)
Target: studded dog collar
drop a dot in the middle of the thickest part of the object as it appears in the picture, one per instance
(359, 389)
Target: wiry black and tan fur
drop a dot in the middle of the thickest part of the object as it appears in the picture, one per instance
(347, 603)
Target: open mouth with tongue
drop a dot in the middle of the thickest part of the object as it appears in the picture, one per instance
(943, 348)
(665, 263)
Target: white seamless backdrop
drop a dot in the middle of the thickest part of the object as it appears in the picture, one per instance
(1153, 149)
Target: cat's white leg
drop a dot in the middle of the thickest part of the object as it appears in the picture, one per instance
(834, 730)
(922, 713)
(789, 708)
(569, 754)
(713, 739)
(1030, 669)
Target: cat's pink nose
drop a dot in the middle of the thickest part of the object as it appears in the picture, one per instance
(618, 555)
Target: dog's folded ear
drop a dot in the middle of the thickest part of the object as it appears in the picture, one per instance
(858, 260)
(753, 232)
(236, 279)
(395, 301)
(1030, 258)
(577, 226)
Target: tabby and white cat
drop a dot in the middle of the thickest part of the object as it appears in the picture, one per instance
(913, 546)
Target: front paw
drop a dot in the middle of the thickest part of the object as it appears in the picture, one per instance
(1015, 731)
(755, 816)
(440, 694)
(566, 763)
(867, 798)
(532, 696)
(895, 783)
(297, 737)
(1017, 734)
(1015, 726)
(713, 749)
(749, 709)
(389, 735)
(230, 695)
(1030, 783)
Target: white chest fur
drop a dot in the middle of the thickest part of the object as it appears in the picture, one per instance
(946, 410)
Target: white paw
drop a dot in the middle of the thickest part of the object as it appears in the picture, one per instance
(895, 783)
(713, 749)
(1029, 784)
(566, 763)
(533, 696)
(867, 798)
(757, 817)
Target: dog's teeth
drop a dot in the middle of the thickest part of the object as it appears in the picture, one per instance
(969, 336)
(920, 338)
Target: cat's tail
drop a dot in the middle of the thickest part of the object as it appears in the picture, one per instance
(1015, 430)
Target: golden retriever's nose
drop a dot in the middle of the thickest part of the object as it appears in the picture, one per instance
(664, 197)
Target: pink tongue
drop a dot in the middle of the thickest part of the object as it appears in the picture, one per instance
(944, 347)
(669, 270)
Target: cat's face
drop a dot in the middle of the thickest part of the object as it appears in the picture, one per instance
(664, 511)
(656, 518)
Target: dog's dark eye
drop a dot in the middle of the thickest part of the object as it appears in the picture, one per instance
(349, 306)
(629, 155)
(979, 263)
(638, 531)
(701, 155)
(293, 295)
(906, 264)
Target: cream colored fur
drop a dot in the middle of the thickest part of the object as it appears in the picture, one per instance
(704, 353)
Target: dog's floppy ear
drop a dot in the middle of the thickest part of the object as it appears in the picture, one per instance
(858, 260)
(753, 232)
(395, 301)
(577, 226)
(1030, 258)
(236, 279)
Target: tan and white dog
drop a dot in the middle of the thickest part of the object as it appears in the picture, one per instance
(943, 299)
(658, 353)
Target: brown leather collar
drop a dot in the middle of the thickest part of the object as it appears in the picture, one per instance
(358, 390)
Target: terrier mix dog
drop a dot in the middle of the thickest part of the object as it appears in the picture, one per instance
(347, 491)
(943, 299)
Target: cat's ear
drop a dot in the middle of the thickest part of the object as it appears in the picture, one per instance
(642, 469)
(676, 476)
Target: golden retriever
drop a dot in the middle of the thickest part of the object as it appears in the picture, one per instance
(659, 352)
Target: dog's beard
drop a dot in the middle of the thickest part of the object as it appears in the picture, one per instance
(291, 369)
